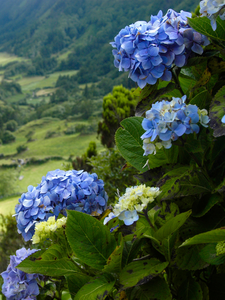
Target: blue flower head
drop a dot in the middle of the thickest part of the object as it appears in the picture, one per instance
(58, 191)
(166, 121)
(149, 49)
(19, 285)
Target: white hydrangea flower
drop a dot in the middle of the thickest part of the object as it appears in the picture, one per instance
(44, 229)
(135, 199)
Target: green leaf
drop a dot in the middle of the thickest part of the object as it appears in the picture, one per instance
(59, 267)
(138, 271)
(172, 225)
(188, 259)
(216, 112)
(130, 250)
(129, 142)
(163, 156)
(75, 282)
(114, 261)
(152, 96)
(98, 288)
(202, 99)
(54, 252)
(203, 26)
(155, 289)
(90, 240)
(182, 181)
(190, 290)
(213, 236)
(205, 204)
(208, 254)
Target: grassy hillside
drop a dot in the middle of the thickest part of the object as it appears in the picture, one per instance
(58, 145)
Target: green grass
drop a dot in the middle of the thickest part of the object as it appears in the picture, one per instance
(7, 205)
(6, 58)
(61, 145)
(40, 82)
(63, 55)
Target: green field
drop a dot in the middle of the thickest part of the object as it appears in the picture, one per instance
(40, 82)
(6, 58)
(60, 145)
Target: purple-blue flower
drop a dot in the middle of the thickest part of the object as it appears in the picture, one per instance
(19, 285)
(58, 191)
(149, 49)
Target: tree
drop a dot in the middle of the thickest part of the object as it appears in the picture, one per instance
(116, 106)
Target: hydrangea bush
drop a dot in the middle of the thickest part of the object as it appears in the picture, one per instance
(164, 238)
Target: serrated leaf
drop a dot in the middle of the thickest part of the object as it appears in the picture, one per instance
(205, 204)
(98, 288)
(182, 181)
(129, 142)
(75, 282)
(59, 267)
(203, 26)
(130, 250)
(163, 156)
(202, 99)
(216, 112)
(189, 259)
(213, 236)
(90, 240)
(139, 272)
(156, 289)
(152, 96)
(190, 290)
(114, 262)
(54, 252)
(172, 225)
(208, 254)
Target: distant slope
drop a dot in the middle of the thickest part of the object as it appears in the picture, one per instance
(26, 26)
(45, 28)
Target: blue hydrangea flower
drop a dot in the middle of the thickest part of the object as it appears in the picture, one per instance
(212, 9)
(223, 119)
(19, 285)
(149, 49)
(166, 121)
(58, 191)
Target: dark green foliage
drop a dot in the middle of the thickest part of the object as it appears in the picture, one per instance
(59, 96)
(10, 240)
(11, 125)
(116, 107)
(21, 148)
(7, 137)
(110, 166)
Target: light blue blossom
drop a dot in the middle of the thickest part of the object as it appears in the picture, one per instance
(212, 9)
(166, 121)
(19, 285)
(223, 119)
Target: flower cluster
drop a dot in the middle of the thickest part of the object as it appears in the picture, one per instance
(44, 229)
(134, 200)
(19, 285)
(166, 121)
(212, 9)
(148, 49)
(58, 191)
(220, 248)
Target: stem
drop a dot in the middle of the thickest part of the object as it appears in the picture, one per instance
(175, 77)
(147, 218)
